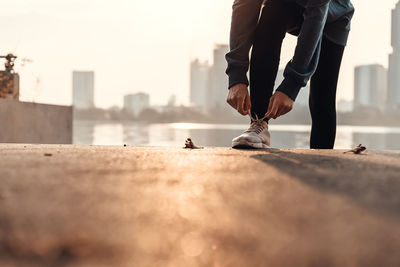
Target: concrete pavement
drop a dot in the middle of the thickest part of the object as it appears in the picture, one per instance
(218, 207)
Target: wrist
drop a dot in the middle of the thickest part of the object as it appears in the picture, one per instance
(237, 77)
(290, 88)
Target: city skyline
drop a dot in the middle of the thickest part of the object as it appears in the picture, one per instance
(147, 50)
(376, 86)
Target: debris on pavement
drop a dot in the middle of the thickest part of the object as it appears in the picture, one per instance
(190, 145)
(358, 150)
(48, 154)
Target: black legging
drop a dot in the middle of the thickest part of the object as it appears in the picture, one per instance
(271, 30)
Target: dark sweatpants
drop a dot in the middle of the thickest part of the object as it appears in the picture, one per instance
(264, 64)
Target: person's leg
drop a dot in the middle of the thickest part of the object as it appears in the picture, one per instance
(265, 55)
(322, 99)
(264, 64)
(275, 19)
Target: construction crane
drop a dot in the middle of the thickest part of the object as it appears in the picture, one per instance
(9, 79)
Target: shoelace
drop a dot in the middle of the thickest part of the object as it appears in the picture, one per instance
(256, 124)
(257, 119)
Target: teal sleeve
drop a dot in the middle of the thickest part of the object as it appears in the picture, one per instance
(305, 60)
(245, 15)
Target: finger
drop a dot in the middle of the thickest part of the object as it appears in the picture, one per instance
(244, 105)
(247, 104)
(274, 110)
(228, 100)
(239, 105)
(231, 102)
(280, 112)
(274, 115)
(284, 111)
(271, 103)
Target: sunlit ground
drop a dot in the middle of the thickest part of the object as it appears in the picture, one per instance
(124, 206)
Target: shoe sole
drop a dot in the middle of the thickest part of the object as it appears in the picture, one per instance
(244, 144)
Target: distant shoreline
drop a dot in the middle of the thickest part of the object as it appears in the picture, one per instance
(277, 122)
(299, 115)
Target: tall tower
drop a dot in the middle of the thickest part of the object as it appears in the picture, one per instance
(199, 82)
(394, 61)
(218, 88)
(83, 89)
(370, 86)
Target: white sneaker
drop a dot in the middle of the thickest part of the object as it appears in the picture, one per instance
(257, 136)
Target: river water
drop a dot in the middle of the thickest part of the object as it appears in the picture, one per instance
(174, 134)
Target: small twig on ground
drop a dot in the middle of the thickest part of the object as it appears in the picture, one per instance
(358, 150)
(48, 154)
(190, 145)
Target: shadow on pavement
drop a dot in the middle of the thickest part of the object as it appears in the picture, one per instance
(373, 185)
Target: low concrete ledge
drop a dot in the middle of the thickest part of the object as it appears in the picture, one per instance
(215, 207)
(23, 122)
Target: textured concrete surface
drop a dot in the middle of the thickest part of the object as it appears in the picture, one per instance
(23, 122)
(218, 207)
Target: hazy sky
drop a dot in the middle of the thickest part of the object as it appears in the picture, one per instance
(143, 45)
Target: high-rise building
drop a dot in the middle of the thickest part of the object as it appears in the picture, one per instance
(136, 103)
(370, 86)
(83, 89)
(218, 88)
(199, 82)
(394, 62)
(302, 97)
